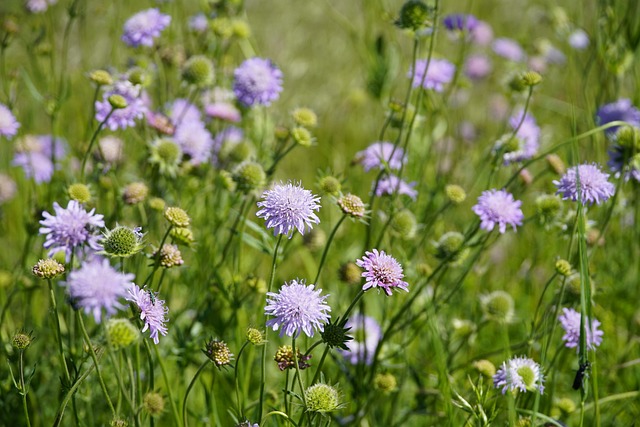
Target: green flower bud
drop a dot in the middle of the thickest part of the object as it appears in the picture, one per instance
(240, 28)
(79, 192)
(198, 71)
(485, 368)
(222, 27)
(218, 352)
(302, 136)
(531, 78)
(135, 193)
(403, 224)
(157, 204)
(305, 117)
(121, 333)
(455, 193)
(177, 217)
(238, 153)
(548, 207)
(335, 335)
(350, 273)
(566, 405)
(167, 155)
(415, 15)
(255, 337)
(21, 340)
(322, 398)
(329, 185)
(249, 176)
(352, 205)
(121, 242)
(101, 77)
(450, 246)
(182, 236)
(281, 133)
(5, 279)
(48, 268)
(386, 383)
(563, 267)
(498, 306)
(226, 180)
(153, 403)
(139, 76)
(118, 102)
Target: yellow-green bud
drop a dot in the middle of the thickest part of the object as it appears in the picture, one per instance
(249, 176)
(21, 340)
(302, 136)
(118, 102)
(563, 267)
(329, 185)
(403, 224)
(485, 368)
(218, 352)
(226, 179)
(121, 333)
(48, 268)
(350, 273)
(531, 78)
(177, 217)
(157, 204)
(240, 28)
(198, 71)
(566, 405)
(305, 117)
(169, 151)
(239, 152)
(255, 337)
(170, 256)
(79, 192)
(139, 76)
(119, 422)
(322, 398)
(135, 193)
(281, 133)
(548, 206)
(222, 27)
(153, 403)
(498, 306)
(352, 205)
(386, 383)
(455, 193)
(450, 247)
(101, 77)
(182, 236)
(121, 242)
(628, 137)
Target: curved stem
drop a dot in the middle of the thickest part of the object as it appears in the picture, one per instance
(93, 140)
(326, 248)
(235, 376)
(23, 388)
(167, 384)
(189, 387)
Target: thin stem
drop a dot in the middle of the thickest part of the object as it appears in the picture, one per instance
(93, 140)
(167, 384)
(326, 248)
(235, 376)
(68, 396)
(23, 388)
(189, 387)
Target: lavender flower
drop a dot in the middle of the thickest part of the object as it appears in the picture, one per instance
(578, 39)
(508, 48)
(482, 33)
(34, 155)
(497, 207)
(381, 155)
(8, 188)
(592, 187)
(382, 271)
(287, 207)
(621, 159)
(70, 228)
(297, 307)
(519, 374)
(460, 22)
(195, 141)
(144, 26)
(477, 67)
(391, 184)
(570, 321)
(182, 110)
(39, 6)
(152, 310)
(223, 111)
(440, 72)
(367, 333)
(8, 123)
(97, 286)
(257, 81)
(620, 110)
(121, 118)
(527, 136)
(198, 23)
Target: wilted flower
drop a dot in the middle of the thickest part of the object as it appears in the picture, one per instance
(498, 207)
(257, 81)
(382, 271)
(218, 352)
(48, 268)
(519, 374)
(570, 321)
(381, 155)
(287, 207)
(152, 310)
(585, 183)
(145, 26)
(440, 73)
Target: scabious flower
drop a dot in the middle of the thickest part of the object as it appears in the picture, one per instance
(97, 286)
(121, 118)
(152, 310)
(382, 271)
(195, 141)
(381, 155)
(527, 137)
(257, 81)
(367, 334)
(578, 39)
(592, 187)
(70, 228)
(391, 184)
(297, 307)
(482, 33)
(620, 110)
(199, 23)
(570, 322)
(34, 155)
(498, 207)
(508, 49)
(440, 73)
(519, 374)
(460, 22)
(287, 207)
(223, 111)
(8, 123)
(477, 67)
(144, 26)
(39, 6)
(8, 188)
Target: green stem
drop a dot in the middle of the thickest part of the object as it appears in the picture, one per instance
(235, 376)
(68, 396)
(23, 388)
(189, 387)
(93, 140)
(326, 248)
(167, 384)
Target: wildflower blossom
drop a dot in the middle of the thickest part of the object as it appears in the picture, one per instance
(508, 49)
(152, 310)
(579, 39)
(39, 6)
(225, 140)
(527, 138)
(121, 118)
(498, 207)
(570, 322)
(620, 110)
(297, 307)
(145, 26)
(34, 155)
(382, 271)
(460, 22)
(8, 188)
(440, 72)
(381, 155)
(70, 228)
(477, 67)
(182, 110)
(519, 374)
(367, 334)
(592, 187)
(97, 286)
(195, 141)
(287, 207)
(391, 184)
(198, 23)
(482, 33)
(8, 123)
(223, 111)
(257, 81)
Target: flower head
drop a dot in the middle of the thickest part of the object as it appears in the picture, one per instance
(508, 49)
(621, 110)
(570, 321)
(498, 207)
(381, 155)
(519, 374)
(287, 207)
(527, 136)
(8, 123)
(382, 271)
(440, 72)
(144, 26)
(257, 81)
(322, 398)
(39, 6)
(578, 39)
(391, 184)
(285, 359)
(70, 228)
(367, 334)
(218, 352)
(97, 286)
(121, 118)
(585, 183)
(460, 22)
(195, 141)
(152, 310)
(34, 155)
(297, 307)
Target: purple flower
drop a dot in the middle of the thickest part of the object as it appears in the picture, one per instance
(482, 34)
(96, 286)
(199, 23)
(124, 117)
(382, 271)
(144, 26)
(70, 228)
(528, 136)
(622, 160)
(579, 39)
(8, 188)
(497, 207)
(367, 333)
(229, 137)
(34, 155)
(297, 307)
(152, 310)
(460, 22)
(8, 123)
(521, 374)
(195, 141)
(381, 155)
(287, 207)
(570, 321)
(38, 6)
(440, 72)
(621, 110)
(391, 184)
(223, 111)
(257, 81)
(182, 110)
(508, 48)
(477, 67)
(592, 187)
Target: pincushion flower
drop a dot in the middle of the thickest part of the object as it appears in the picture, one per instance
(391, 184)
(257, 81)
(8, 123)
(121, 118)
(297, 307)
(145, 26)
(381, 155)
(586, 183)
(508, 49)
(440, 73)
(97, 286)
(288, 207)
(621, 110)
(367, 334)
(152, 310)
(460, 22)
(34, 156)
(70, 228)
(519, 374)
(570, 322)
(498, 207)
(527, 135)
(382, 271)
